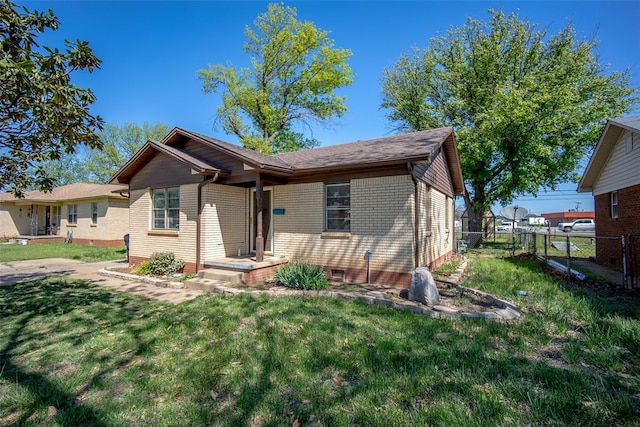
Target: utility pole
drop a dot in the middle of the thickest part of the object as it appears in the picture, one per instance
(578, 206)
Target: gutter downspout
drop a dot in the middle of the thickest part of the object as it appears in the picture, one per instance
(416, 218)
(199, 217)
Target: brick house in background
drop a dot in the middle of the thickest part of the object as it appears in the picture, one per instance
(215, 204)
(95, 214)
(613, 177)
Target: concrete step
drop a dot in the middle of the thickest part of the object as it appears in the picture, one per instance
(224, 276)
(206, 285)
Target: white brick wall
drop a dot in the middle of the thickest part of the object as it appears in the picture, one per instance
(144, 241)
(381, 219)
(225, 221)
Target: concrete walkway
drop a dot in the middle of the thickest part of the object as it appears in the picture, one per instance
(23, 271)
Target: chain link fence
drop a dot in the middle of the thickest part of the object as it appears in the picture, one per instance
(614, 259)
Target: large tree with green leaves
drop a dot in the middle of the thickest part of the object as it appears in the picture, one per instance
(119, 144)
(294, 71)
(526, 106)
(42, 115)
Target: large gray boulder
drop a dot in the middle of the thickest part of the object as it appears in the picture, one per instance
(423, 288)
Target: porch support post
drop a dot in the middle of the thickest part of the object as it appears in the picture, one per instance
(259, 236)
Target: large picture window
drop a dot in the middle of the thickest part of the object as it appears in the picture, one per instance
(166, 208)
(338, 207)
(72, 214)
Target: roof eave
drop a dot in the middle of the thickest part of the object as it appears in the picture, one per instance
(599, 157)
(227, 151)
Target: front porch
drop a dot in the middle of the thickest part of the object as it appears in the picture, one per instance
(251, 270)
(30, 240)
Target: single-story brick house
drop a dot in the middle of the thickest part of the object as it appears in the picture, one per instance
(207, 200)
(613, 177)
(93, 214)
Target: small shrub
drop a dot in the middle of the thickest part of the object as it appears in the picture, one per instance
(160, 264)
(143, 269)
(300, 275)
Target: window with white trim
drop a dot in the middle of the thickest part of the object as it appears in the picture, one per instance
(166, 208)
(94, 213)
(613, 197)
(338, 207)
(72, 214)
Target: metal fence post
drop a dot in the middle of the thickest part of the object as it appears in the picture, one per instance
(624, 262)
(535, 243)
(568, 260)
(545, 247)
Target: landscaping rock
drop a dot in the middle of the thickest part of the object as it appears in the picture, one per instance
(423, 288)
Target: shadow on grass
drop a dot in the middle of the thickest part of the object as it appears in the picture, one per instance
(273, 361)
(34, 313)
(370, 365)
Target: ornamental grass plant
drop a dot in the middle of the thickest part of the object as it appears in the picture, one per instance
(301, 275)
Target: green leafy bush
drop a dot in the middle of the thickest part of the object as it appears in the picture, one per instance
(161, 264)
(143, 269)
(300, 275)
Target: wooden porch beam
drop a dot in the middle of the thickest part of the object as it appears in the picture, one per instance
(259, 236)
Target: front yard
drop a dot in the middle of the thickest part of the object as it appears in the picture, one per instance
(15, 252)
(73, 353)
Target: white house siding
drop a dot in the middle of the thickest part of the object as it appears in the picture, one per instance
(224, 221)
(622, 169)
(144, 241)
(440, 241)
(424, 222)
(381, 219)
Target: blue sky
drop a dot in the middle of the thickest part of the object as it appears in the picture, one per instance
(151, 51)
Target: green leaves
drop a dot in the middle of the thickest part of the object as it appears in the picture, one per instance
(294, 71)
(119, 144)
(526, 106)
(42, 114)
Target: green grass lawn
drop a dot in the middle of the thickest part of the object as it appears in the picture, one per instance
(61, 250)
(73, 353)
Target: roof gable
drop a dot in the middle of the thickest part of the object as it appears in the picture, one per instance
(610, 136)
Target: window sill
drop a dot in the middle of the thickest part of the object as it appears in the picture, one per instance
(72, 225)
(93, 225)
(169, 233)
(335, 235)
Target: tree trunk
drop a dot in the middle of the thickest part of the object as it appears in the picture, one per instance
(475, 216)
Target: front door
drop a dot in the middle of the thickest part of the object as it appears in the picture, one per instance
(267, 228)
(47, 221)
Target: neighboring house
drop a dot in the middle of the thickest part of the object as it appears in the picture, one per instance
(613, 177)
(207, 200)
(92, 214)
(556, 218)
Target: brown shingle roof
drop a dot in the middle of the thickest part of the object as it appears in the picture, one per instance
(392, 149)
(74, 191)
(409, 146)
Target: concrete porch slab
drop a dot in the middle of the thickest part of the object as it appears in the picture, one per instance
(244, 263)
